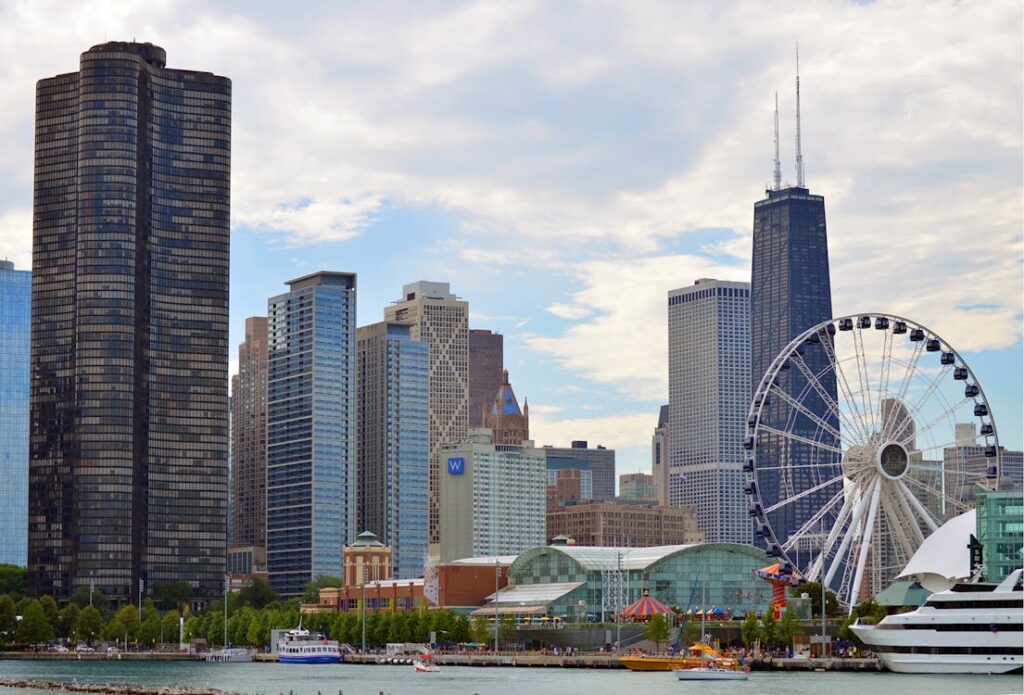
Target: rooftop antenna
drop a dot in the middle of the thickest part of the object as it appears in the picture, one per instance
(799, 154)
(777, 176)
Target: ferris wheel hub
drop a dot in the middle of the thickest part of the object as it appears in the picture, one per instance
(893, 460)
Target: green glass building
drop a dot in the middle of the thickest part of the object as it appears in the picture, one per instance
(1000, 517)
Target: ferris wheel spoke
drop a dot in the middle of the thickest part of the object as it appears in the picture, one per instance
(865, 543)
(916, 505)
(883, 376)
(897, 524)
(911, 368)
(944, 417)
(813, 521)
(760, 469)
(781, 393)
(803, 493)
(864, 379)
(805, 440)
(951, 502)
(920, 403)
(908, 514)
(851, 531)
(818, 568)
(844, 386)
(830, 403)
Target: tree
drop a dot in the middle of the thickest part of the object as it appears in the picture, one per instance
(67, 619)
(259, 594)
(507, 628)
(461, 631)
(789, 627)
(34, 628)
(750, 631)
(324, 581)
(172, 594)
(813, 591)
(482, 631)
(88, 625)
(51, 610)
(169, 627)
(769, 630)
(81, 598)
(149, 630)
(869, 612)
(8, 618)
(13, 580)
(657, 631)
(125, 625)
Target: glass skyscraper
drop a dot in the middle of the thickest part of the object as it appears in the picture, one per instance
(129, 404)
(15, 330)
(311, 445)
(393, 441)
(790, 292)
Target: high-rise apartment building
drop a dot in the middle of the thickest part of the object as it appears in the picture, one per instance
(129, 405)
(486, 362)
(600, 461)
(709, 394)
(15, 331)
(249, 438)
(493, 497)
(392, 442)
(637, 487)
(439, 320)
(659, 455)
(508, 423)
(311, 438)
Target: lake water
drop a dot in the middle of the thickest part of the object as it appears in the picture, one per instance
(272, 679)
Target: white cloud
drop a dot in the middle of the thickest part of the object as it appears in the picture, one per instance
(614, 432)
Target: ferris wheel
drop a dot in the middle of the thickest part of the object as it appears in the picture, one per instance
(866, 433)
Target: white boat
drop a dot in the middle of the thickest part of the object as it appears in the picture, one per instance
(230, 655)
(971, 628)
(425, 664)
(710, 673)
(300, 646)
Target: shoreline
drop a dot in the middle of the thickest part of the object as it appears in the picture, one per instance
(108, 689)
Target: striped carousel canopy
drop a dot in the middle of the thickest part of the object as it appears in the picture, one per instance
(645, 607)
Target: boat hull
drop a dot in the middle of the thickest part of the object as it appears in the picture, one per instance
(709, 674)
(951, 663)
(319, 659)
(668, 663)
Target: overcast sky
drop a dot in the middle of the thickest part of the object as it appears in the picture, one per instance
(563, 165)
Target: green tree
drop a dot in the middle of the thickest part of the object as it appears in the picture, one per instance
(259, 594)
(51, 610)
(813, 591)
(81, 598)
(657, 631)
(482, 631)
(125, 624)
(13, 580)
(789, 627)
(750, 630)
(89, 624)
(8, 618)
(169, 627)
(769, 630)
(149, 630)
(461, 631)
(398, 631)
(172, 594)
(507, 629)
(67, 619)
(324, 581)
(34, 628)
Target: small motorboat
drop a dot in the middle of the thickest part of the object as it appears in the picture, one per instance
(710, 673)
(425, 664)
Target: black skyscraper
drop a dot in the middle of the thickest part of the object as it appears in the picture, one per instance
(128, 472)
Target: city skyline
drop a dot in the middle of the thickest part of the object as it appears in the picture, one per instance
(639, 214)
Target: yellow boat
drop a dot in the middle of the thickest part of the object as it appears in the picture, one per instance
(670, 663)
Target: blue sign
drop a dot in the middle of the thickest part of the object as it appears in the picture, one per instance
(456, 465)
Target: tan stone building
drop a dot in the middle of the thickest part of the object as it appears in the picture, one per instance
(249, 439)
(625, 525)
(366, 560)
(508, 423)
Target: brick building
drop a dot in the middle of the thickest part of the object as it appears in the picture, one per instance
(626, 525)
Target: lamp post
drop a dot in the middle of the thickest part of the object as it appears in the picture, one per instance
(363, 609)
(497, 573)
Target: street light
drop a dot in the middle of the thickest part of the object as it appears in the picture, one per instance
(497, 573)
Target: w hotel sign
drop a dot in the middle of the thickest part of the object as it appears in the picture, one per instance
(456, 465)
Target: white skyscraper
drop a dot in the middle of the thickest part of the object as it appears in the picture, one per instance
(709, 394)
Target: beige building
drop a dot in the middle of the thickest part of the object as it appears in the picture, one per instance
(637, 487)
(366, 560)
(492, 497)
(608, 524)
(659, 456)
(440, 320)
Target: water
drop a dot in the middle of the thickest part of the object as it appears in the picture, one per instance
(272, 679)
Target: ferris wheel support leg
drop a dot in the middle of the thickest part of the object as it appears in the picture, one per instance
(918, 507)
(858, 511)
(818, 568)
(865, 543)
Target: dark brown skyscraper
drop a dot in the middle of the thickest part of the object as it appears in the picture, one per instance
(486, 360)
(249, 437)
(128, 432)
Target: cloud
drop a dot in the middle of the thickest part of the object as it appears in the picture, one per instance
(615, 432)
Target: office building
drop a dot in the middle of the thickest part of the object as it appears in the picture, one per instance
(311, 438)
(1000, 523)
(249, 438)
(569, 482)
(493, 497)
(508, 423)
(129, 405)
(392, 439)
(486, 362)
(637, 487)
(791, 292)
(623, 524)
(966, 462)
(659, 455)
(709, 394)
(15, 333)
(439, 320)
(600, 462)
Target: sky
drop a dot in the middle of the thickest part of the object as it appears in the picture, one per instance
(564, 165)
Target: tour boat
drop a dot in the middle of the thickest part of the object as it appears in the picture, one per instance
(971, 628)
(300, 646)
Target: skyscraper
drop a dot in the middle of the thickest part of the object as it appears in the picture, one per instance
(508, 423)
(486, 360)
(392, 442)
(439, 320)
(659, 455)
(600, 461)
(15, 330)
(790, 292)
(709, 393)
(311, 443)
(249, 438)
(129, 411)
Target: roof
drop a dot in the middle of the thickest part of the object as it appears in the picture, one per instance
(505, 400)
(592, 558)
(489, 611)
(390, 583)
(533, 594)
(944, 556)
(903, 593)
(503, 560)
(645, 606)
(367, 539)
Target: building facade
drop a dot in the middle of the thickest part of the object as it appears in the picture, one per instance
(15, 333)
(392, 441)
(1000, 524)
(493, 497)
(606, 524)
(249, 438)
(709, 395)
(367, 560)
(791, 292)
(439, 320)
(129, 405)
(600, 461)
(508, 423)
(311, 409)
(637, 487)
(569, 482)
(659, 455)
(486, 362)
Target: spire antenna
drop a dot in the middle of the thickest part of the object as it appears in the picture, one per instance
(799, 153)
(777, 174)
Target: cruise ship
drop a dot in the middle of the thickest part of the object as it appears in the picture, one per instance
(300, 646)
(971, 628)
